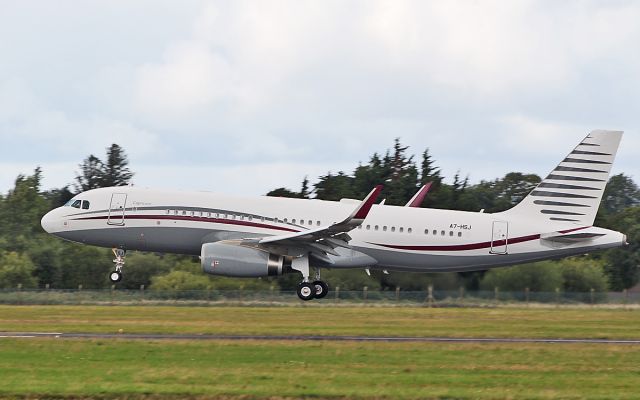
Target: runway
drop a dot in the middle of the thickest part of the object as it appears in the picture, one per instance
(134, 336)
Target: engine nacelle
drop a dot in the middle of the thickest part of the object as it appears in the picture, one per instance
(228, 259)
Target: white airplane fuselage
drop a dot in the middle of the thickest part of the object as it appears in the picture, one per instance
(267, 236)
(391, 237)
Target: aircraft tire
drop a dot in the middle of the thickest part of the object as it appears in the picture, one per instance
(306, 291)
(115, 277)
(321, 289)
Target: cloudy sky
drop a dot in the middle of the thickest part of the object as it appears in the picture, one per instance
(242, 97)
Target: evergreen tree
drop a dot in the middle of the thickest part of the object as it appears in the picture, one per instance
(91, 174)
(368, 176)
(403, 182)
(115, 171)
(58, 197)
(304, 191)
(21, 211)
(623, 264)
(94, 173)
(283, 192)
(334, 187)
(621, 192)
(429, 172)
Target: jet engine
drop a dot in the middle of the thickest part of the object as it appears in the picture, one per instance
(230, 259)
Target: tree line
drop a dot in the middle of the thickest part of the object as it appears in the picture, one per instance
(32, 258)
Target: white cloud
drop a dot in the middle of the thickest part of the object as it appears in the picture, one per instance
(190, 78)
(16, 100)
(251, 179)
(497, 47)
(526, 135)
(488, 86)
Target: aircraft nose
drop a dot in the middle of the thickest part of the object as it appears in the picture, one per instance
(48, 222)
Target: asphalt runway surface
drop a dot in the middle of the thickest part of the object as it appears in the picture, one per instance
(135, 336)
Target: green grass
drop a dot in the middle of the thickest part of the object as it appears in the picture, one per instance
(128, 369)
(177, 369)
(383, 321)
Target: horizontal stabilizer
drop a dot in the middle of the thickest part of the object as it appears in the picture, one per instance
(571, 237)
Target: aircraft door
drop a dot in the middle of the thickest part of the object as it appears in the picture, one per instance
(116, 209)
(499, 237)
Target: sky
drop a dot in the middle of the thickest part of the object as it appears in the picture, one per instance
(242, 97)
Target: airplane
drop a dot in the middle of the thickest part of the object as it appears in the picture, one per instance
(269, 236)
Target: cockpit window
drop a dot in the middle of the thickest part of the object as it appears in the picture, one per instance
(85, 205)
(76, 204)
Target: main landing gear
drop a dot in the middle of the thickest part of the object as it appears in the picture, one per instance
(116, 275)
(306, 291)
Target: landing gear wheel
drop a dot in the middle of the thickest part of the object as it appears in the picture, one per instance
(115, 276)
(321, 289)
(306, 291)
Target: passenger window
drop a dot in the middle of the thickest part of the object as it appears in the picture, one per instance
(426, 231)
(442, 233)
(285, 220)
(310, 222)
(85, 205)
(368, 227)
(318, 223)
(393, 229)
(409, 230)
(459, 234)
(384, 228)
(375, 227)
(450, 233)
(250, 218)
(293, 221)
(184, 212)
(435, 232)
(175, 212)
(359, 226)
(401, 229)
(76, 204)
(192, 213)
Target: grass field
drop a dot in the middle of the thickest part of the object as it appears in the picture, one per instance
(279, 369)
(367, 321)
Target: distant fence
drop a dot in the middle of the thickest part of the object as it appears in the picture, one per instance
(431, 297)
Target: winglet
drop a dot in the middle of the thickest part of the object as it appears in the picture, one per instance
(363, 210)
(418, 198)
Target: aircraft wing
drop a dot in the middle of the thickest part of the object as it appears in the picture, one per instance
(322, 241)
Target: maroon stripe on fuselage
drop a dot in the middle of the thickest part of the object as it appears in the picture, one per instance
(472, 246)
(461, 247)
(197, 219)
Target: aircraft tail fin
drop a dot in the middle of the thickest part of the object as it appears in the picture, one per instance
(572, 192)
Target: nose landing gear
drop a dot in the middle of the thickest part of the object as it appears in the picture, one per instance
(116, 275)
